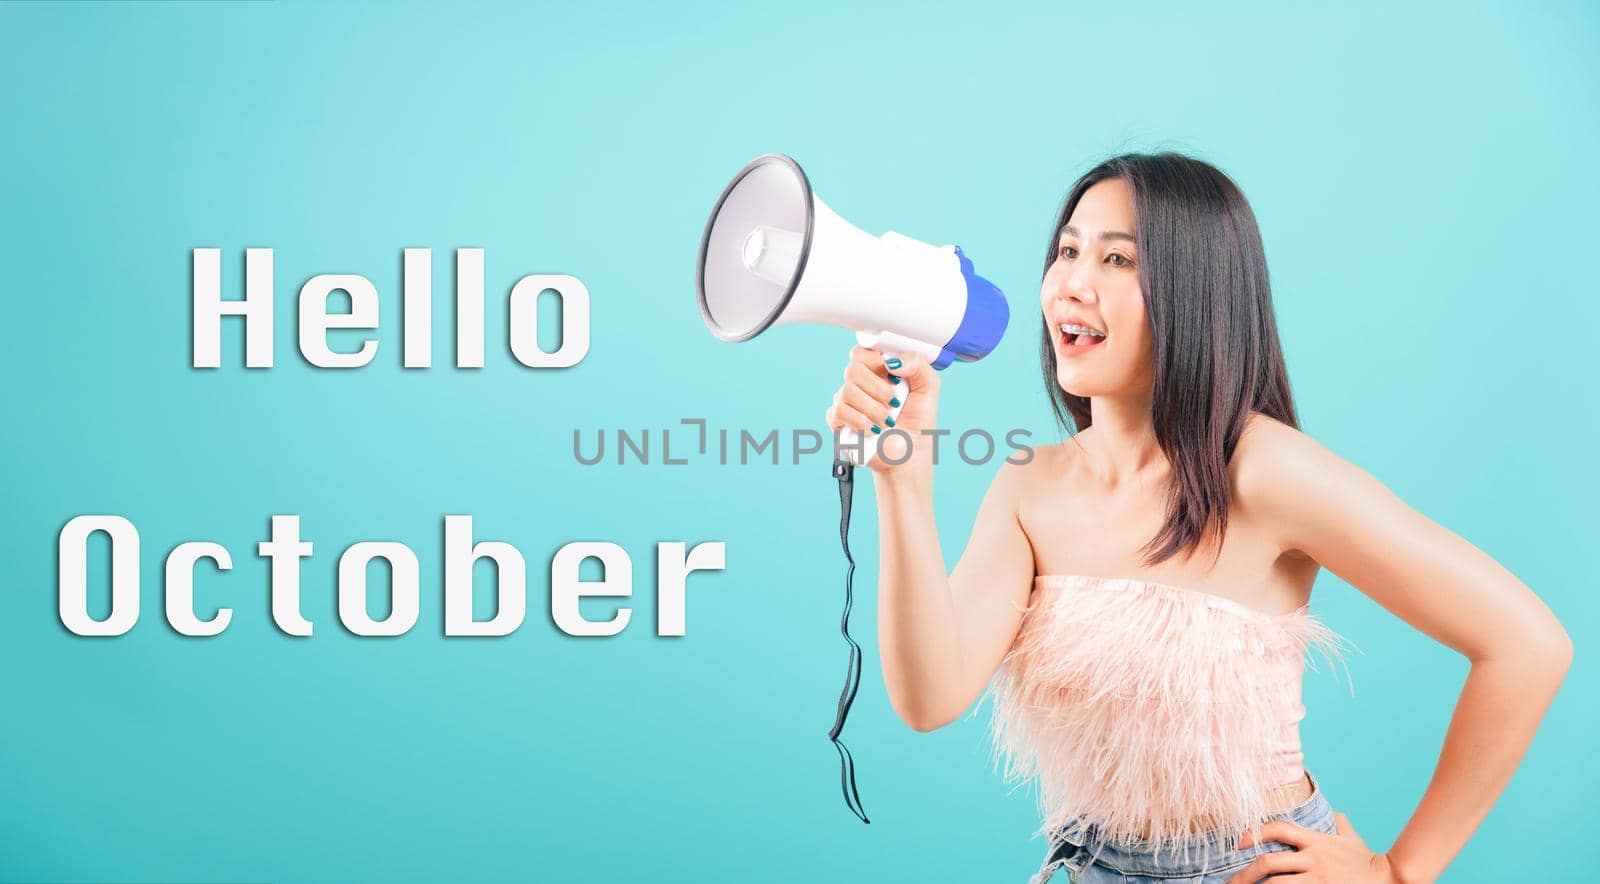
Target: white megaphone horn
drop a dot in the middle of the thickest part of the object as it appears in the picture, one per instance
(773, 254)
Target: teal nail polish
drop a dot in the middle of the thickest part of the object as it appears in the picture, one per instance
(894, 363)
(875, 429)
(894, 402)
(889, 421)
(893, 379)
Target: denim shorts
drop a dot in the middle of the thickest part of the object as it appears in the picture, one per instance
(1089, 860)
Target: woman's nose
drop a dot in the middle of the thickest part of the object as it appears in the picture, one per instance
(1077, 287)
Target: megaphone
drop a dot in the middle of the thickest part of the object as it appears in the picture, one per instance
(773, 254)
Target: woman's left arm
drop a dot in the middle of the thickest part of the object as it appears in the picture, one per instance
(1444, 586)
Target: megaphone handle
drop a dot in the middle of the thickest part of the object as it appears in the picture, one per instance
(869, 443)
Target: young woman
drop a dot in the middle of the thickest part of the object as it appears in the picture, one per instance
(1137, 597)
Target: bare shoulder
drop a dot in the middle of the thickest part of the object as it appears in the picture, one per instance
(1289, 480)
(1041, 465)
(1272, 457)
(1020, 478)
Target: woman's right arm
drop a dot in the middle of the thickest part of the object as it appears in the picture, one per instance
(940, 637)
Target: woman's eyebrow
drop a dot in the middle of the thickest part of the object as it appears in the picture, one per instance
(1109, 234)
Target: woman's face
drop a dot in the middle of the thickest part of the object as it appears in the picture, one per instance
(1094, 282)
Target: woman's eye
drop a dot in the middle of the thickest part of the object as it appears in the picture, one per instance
(1118, 260)
(1067, 252)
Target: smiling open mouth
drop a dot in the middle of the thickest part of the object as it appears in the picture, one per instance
(1080, 337)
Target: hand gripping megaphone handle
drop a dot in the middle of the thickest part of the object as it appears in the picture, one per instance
(859, 450)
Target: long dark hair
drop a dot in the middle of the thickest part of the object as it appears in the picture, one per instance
(1203, 273)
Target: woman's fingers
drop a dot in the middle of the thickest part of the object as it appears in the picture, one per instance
(873, 383)
(870, 390)
(870, 406)
(843, 415)
(1278, 862)
(1279, 830)
(915, 368)
(867, 356)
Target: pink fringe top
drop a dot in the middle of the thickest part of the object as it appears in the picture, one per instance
(1150, 710)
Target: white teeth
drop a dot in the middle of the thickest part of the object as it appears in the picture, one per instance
(1072, 329)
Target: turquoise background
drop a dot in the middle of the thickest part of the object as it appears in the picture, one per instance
(1424, 179)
